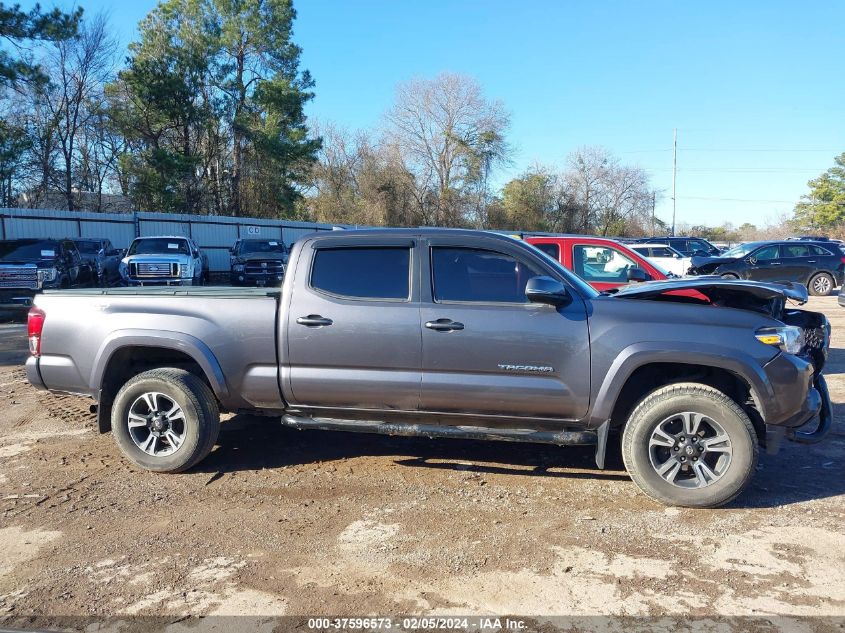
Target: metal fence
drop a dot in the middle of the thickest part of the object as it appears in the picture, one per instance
(214, 234)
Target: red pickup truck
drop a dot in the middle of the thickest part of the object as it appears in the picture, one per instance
(601, 262)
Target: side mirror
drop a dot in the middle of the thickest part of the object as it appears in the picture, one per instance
(546, 290)
(638, 275)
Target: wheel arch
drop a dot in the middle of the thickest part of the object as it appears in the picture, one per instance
(129, 352)
(644, 367)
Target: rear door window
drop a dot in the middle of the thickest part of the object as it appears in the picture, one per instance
(552, 250)
(795, 250)
(363, 272)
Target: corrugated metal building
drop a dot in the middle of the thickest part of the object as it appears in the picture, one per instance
(213, 233)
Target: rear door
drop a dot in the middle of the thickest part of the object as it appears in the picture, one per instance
(353, 325)
(797, 262)
(486, 349)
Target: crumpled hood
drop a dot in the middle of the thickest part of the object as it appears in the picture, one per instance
(712, 290)
(707, 265)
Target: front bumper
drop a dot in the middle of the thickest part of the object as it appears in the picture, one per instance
(17, 298)
(255, 279)
(162, 281)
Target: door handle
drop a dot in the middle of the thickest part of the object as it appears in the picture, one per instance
(444, 325)
(776, 263)
(811, 261)
(314, 320)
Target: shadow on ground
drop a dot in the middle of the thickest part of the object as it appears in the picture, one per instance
(797, 473)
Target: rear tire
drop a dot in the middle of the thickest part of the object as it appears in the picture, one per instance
(174, 434)
(821, 285)
(690, 445)
(730, 276)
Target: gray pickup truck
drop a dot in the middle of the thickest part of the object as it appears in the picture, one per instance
(451, 333)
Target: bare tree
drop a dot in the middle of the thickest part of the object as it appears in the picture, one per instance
(450, 137)
(78, 68)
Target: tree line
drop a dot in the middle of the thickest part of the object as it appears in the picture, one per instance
(205, 114)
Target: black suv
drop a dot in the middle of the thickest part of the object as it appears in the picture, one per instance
(818, 265)
(30, 265)
(258, 262)
(689, 246)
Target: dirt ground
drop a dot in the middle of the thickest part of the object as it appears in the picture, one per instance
(279, 522)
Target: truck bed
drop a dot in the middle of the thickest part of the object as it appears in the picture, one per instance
(231, 332)
(219, 292)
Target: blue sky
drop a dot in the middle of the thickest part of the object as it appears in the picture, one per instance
(755, 89)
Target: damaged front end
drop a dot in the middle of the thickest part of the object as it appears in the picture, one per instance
(774, 300)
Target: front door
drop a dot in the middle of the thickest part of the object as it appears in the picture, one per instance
(486, 349)
(603, 267)
(764, 264)
(353, 331)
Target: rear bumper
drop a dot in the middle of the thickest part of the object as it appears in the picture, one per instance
(33, 375)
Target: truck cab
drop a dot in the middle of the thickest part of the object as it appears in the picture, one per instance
(601, 262)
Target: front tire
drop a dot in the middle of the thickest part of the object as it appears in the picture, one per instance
(821, 285)
(690, 445)
(730, 276)
(165, 420)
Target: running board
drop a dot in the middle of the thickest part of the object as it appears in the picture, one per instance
(431, 431)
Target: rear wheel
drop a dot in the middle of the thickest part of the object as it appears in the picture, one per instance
(165, 420)
(690, 445)
(730, 276)
(821, 285)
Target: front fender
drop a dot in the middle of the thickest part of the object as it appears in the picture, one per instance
(179, 341)
(703, 354)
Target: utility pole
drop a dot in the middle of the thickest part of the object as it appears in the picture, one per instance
(674, 175)
(653, 204)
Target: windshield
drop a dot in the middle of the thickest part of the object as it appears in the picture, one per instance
(87, 246)
(742, 250)
(249, 247)
(27, 250)
(159, 246)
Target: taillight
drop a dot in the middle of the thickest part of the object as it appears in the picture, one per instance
(842, 259)
(34, 326)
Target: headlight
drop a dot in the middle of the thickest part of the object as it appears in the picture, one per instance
(123, 269)
(48, 274)
(787, 338)
(238, 268)
(187, 270)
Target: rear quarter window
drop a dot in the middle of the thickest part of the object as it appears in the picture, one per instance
(363, 272)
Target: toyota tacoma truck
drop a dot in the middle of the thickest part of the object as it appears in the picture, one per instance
(451, 333)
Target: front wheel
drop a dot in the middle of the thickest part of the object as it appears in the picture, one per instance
(165, 420)
(820, 285)
(730, 276)
(690, 445)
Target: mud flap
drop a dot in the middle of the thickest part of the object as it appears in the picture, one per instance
(601, 443)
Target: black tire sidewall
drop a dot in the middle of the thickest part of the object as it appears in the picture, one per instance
(743, 459)
(186, 454)
(812, 281)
